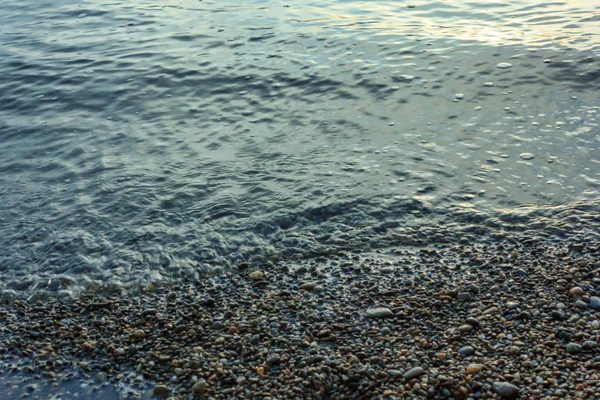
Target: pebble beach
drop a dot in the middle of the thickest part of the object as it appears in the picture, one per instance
(349, 199)
(514, 319)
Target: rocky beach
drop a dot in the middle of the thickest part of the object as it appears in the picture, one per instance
(517, 318)
(348, 199)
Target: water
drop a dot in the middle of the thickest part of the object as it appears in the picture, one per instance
(147, 142)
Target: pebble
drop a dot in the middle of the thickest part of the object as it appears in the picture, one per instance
(504, 65)
(488, 84)
(475, 368)
(413, 373)
(573, 348)
(379, 312)
(138, 334)
(576, 291)
(161, 390)
(492, 310)
(459, 96)
(474, 322)
(466, 351)
(527, 156)
(581, 304)
(308, 286)
(595, 303)
(101, 376)
(199, 387)
(464, 296)
(273, 359)
(589, 345)
(506, 390)
(256, 275)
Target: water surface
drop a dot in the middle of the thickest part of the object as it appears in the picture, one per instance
(146, 142)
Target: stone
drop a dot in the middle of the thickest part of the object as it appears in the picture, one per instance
(465, 328)
(527, 156)
(474, 322)
(138, 334)
(595, 303)
(273, 359)
(511, 305)
(413, 373)
(256, 275)
(523, 315)
(161, 391)
(581, 304)
(308, 286)
(101, 376)
(474, 368)
(504, 65)
(466, 351)
(573, 348)
(464, 296)
(576, 291)
(506, 390)
(199, 387)
(379, 312)
(589, 345)
(490, 311)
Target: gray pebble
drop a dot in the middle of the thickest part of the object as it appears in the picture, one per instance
(379, 312)
(199, 387)
(161, 390)
(595, 303)
(506, 390)
(573, 348)
(581, 304)
(589, 345)
(413, 373)
(101, 376)
(464, 296)
(466, 351)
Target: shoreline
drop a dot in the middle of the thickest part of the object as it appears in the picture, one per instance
(468, 321)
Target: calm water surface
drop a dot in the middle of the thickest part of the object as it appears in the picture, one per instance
(157, 141)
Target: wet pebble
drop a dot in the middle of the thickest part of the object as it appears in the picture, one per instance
(256, 275)
(379, 312)
(200, 386)
(589, 345)
(576, 291)
(161, 390)
(504, 65)
(466, 351)
(595, 303)
(527, 156)
(413, 373)
(506, 390)
(573, 348)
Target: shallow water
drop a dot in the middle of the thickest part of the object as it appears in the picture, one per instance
(143, 142)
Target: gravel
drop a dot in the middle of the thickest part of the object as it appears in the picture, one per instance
(402, 334)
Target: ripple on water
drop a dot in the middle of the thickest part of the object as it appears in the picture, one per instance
(147, 144)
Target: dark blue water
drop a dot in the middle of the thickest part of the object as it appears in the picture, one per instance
(144, 142)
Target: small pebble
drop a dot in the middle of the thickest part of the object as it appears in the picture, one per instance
(413, 373)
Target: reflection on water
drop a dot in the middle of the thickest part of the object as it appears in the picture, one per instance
(142, 142)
